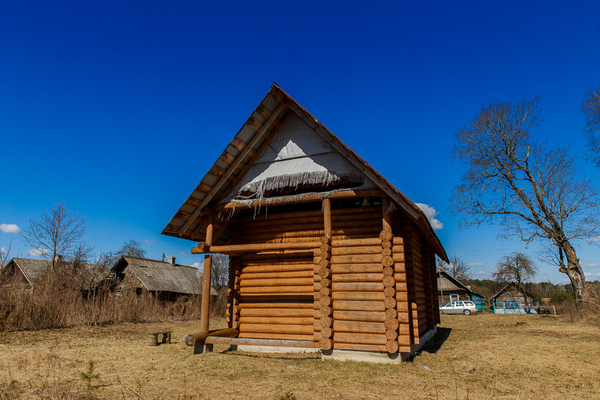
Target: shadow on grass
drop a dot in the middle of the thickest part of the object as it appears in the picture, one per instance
(434, 344)
(281, 356)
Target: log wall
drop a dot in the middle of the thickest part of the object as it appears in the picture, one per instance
(367, 286)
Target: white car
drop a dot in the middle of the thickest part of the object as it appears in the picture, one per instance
(466, 307)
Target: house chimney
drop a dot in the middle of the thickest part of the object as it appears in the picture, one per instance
(172, 260)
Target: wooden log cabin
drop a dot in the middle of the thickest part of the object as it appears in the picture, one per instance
(324, 252)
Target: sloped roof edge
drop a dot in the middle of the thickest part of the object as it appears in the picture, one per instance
(202, 195)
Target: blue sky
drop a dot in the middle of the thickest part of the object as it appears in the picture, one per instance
(119, 108)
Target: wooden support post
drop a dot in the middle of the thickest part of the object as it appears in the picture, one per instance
(327, 217)
(205, 305)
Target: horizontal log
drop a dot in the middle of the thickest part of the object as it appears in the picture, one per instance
(357, 278)
(341, 251)
(357, 259)
(359, 347)
(398, 240)
(241, 248)
(391, 312)
(278, 336)
(389, 291)
(358, 306)
(277, 289)
(403, 317)
(277, 328)
(276, 312)
(391, 324)
(307, 198)
(391, 334)
(275, 275)
(298, 301)
(316, 233)
(392, 346)
(286, 257)
(356, 242)
(325, 344)
(358, 326)
(389, 302)
(364, 316)
(388, 281)
(359, 338)
(197, 339)
(282, 282)
(358, 296)
(357, 286)
(326, 332)
(277, 320)
(404, 340)
(262, 342)
(356, 268)
(275, 269)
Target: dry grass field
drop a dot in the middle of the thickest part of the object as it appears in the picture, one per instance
(477, 357)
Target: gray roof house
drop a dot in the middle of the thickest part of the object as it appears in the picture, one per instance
(160, 277)
(27, 272)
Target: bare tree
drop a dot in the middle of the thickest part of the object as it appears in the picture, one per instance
(533, 191)
(591, 109)
(219, 271)
(456, 268)
(130, 248)
(57, 232)
(516, 268)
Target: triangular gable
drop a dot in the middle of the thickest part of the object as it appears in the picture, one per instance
(296, 155)
(278, 113)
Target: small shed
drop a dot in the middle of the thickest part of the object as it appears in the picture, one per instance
(26, 272)
(451, 289)
(167, 280)
(514, 300)
(325, 253)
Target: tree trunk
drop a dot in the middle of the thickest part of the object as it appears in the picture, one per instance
(573, 271)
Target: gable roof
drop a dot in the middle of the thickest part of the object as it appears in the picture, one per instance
(511, 285)
(273, 113)
(448, 282)
(160, 276)
(32, 270)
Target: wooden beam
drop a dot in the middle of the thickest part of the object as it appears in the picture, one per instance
(256, 247)
(327, 217)
(232, 167)
(307, 198)
(205, 301)
(261, 342)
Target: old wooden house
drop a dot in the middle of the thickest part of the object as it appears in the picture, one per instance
(451, 289)
(167, 280)
(26, 273)
(324, 252)
(514, 299)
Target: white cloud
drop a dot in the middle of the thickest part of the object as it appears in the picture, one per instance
(2, 250)
(430, 213)
(475, 264)
(183, 253)
(37, 252)
(481, 273)
(198, 265)
(149, 241)
(9, 228)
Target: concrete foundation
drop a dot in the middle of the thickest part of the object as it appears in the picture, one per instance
(274, 349)
(203, 348)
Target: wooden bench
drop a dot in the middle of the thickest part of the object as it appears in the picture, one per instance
(153, 338)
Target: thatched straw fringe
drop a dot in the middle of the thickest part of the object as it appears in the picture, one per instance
(257, 189)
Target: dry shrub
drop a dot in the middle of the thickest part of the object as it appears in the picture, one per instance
(587, 311)
(56, 302)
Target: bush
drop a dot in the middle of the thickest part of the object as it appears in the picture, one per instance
(55, 302)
